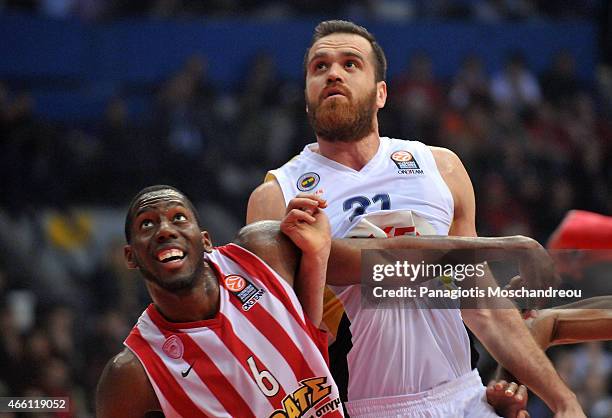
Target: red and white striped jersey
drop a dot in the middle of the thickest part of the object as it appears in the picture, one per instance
(260, 356)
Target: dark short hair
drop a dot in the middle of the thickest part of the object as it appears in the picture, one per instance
(150, 189)
(329, 27)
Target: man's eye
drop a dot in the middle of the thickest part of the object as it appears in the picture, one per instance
(180, 217)
(350, 64)
(147, 223)
(321, 66)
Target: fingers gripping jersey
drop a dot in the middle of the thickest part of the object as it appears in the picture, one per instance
(400, 191)
(259, 356)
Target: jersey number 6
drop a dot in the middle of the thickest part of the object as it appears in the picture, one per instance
(267, 383)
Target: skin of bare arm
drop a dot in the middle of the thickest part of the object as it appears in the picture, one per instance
(267, 203)
(124, 389)
(345, 261)
(308, 229)
(266, 241)
(585, 320)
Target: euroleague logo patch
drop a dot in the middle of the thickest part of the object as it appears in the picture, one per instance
(406, 163)
(308, 181)
(235, 283)
(246, 292)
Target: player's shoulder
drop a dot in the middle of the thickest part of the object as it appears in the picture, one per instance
(124, 388)
(266, 202)
(258, 234)
(263, 238)
(124, 365)
(268, 188)
(266, 241)
(446, 160)
(443, 153)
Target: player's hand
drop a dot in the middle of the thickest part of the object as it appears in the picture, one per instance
(508, 399)
(515, 283)
(307, 225)
(540, 323)
(537, 270)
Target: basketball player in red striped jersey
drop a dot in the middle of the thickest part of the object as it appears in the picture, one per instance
(225, 335)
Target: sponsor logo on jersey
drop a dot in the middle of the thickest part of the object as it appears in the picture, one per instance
(307, 395)
(185, 373)
(173, 347)
(308, 181)
(406, 163)
(244, 290)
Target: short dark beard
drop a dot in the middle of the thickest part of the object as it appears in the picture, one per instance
(343, 122)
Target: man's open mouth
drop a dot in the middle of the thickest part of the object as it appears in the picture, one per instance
(334, 92)
(170, 255)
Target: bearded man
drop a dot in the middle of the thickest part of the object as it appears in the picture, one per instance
(402, 362)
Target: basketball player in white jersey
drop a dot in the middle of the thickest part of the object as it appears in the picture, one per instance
(404, 362)
(225, 335)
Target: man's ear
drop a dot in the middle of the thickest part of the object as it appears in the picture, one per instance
(206, 241)
(381, 94)
(129, 257)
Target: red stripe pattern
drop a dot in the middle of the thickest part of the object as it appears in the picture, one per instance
(161, 376)
(242, 354)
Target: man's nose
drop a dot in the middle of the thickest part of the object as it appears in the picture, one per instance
(166, 231)
(335, 73)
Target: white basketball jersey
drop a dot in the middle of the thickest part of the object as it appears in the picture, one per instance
(400, 191)
(259, 356)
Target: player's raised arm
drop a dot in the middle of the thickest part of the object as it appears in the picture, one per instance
(308, 227)
(265, 239)
(304, 227)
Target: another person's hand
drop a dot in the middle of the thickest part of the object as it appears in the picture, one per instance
(537, 270)
(508, 399)
(307, 225)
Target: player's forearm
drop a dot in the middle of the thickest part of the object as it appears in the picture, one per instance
(567, 326)
(310, 285)
(506, 337)
(450, 243)
(345, 260)
(598, 302)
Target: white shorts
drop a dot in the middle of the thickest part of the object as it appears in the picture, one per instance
(464, 397)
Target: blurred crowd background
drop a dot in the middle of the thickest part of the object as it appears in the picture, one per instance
(537, 142)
